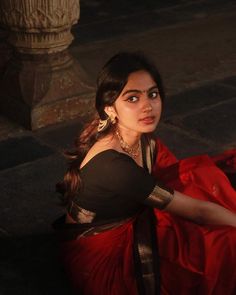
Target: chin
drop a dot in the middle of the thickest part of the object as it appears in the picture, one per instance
(149, 129)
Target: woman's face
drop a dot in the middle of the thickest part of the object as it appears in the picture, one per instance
(138, 107)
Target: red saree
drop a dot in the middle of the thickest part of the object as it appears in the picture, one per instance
(194, 259)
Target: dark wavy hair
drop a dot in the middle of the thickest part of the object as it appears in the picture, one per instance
(110, 83)
(114, 76)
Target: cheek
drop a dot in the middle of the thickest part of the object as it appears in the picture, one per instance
(126, 115)
(157, 106)
(127, 111)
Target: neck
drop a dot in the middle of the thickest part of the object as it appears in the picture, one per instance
(131, 138)
(131, 146)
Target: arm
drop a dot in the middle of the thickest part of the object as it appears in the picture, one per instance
(198, 211)
(202, 212)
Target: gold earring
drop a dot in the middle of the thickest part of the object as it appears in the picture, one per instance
(103, 124)
(113, 120)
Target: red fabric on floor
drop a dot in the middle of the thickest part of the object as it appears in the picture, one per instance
(194, 259)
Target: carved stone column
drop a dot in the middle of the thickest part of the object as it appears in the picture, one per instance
(42, 84)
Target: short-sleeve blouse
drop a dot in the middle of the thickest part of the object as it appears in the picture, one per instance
(113, 185)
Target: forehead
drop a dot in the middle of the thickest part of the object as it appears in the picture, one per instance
(140, 80)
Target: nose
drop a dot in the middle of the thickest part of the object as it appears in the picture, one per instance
(147, 106)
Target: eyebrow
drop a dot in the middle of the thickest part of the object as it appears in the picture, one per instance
(139, 91)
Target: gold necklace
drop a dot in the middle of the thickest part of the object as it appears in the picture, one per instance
(133, 151)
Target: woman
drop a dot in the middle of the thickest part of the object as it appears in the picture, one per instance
(124, 231)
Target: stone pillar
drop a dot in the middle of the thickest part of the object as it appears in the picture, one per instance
(42, 83)
(5, 51)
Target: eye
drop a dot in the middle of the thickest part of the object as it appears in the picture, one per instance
(153, 94)
(132, 98)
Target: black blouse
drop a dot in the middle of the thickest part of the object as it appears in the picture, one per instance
(113, 186)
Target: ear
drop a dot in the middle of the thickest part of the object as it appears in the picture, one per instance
(110, 111)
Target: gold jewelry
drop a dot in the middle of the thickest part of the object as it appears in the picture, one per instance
(160, 197)
(103, 124)
(133, 151)
(113, 120)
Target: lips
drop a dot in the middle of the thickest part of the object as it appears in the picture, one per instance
(148, 120)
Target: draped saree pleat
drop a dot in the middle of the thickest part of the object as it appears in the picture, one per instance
(188, 258)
